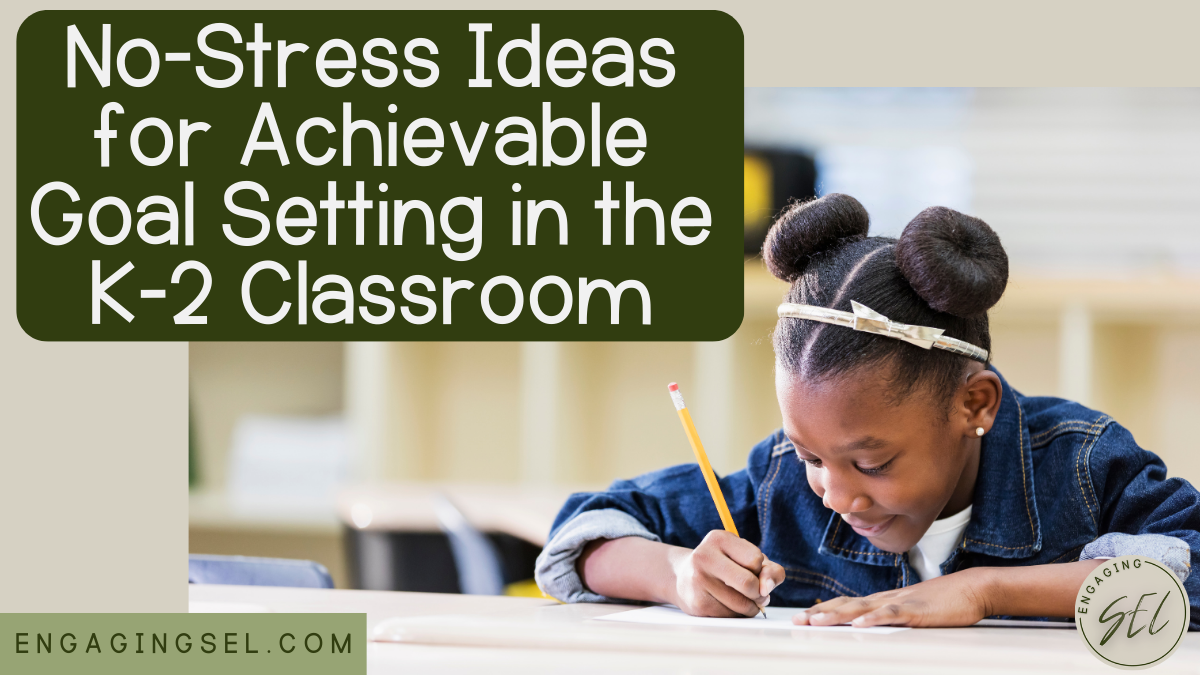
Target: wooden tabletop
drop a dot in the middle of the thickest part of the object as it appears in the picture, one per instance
(465, 634)
(524, 511)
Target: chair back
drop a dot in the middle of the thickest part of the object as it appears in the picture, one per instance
(244, 571)
(479, 569)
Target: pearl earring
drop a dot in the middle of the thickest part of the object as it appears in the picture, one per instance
(978, 431)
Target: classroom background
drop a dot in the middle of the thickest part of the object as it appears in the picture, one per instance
(386, 461)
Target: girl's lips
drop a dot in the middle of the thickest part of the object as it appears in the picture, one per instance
(874, 530)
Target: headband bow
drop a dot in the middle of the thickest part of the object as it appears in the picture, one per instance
(867, 320)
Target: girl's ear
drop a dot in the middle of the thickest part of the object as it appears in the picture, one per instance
(980, 399)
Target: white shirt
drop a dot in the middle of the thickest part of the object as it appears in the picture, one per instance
(940, 540)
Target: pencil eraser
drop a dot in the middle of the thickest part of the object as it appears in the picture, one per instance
(672, 387)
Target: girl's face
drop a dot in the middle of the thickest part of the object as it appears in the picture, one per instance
(889, 469)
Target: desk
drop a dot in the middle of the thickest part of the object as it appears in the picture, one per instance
(222, 525)
(471, 634)
(394, 539)
(523, 511)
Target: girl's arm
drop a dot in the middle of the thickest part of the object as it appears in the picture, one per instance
(962, 598)
(630, 567)
(671, 506)
(723, 576)
(1038, 590)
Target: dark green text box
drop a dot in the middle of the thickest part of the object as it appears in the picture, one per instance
(684, 89)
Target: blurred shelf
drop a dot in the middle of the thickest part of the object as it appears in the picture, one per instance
(1149, 299)
(1152, 299)
(212, 510)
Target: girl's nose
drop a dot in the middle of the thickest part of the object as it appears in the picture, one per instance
(844, 497)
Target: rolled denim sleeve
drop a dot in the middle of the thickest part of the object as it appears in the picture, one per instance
(671, 505)
(1144, 512)
(1170, 551)
(555, 571)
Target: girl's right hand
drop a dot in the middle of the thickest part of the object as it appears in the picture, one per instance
(725, 576)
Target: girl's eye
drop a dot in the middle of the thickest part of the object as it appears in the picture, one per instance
(877, 469)
(811, 462)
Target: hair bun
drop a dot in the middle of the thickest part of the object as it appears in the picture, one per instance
(953, 261)
(807, 228)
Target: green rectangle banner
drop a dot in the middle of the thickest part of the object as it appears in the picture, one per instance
(183, 644)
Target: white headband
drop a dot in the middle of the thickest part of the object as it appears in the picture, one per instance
(868, 320)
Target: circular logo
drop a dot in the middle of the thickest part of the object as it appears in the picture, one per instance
(1132, 612)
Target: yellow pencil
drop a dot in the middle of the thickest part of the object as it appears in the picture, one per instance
(714, 488)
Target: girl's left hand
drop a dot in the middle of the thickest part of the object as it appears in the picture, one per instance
(956, 599)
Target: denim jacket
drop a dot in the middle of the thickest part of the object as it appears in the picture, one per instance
(1057, 482)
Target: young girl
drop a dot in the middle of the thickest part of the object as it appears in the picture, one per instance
(910, 483)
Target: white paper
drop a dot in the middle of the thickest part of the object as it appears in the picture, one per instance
(778, 618)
